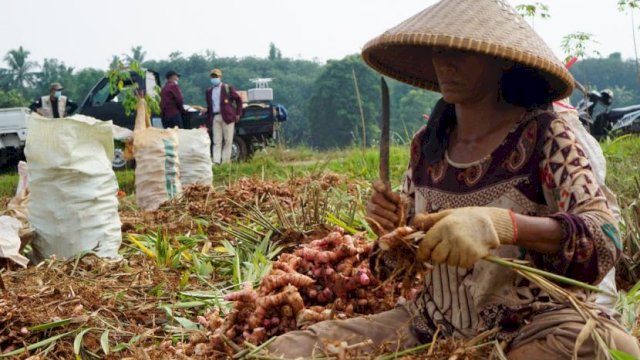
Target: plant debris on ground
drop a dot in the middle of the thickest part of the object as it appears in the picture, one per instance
(166, 298)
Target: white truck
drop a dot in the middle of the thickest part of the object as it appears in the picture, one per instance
(13, 133)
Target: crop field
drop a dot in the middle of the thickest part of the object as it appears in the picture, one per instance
(278, 243)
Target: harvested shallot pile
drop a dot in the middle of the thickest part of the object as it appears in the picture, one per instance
(324, 279)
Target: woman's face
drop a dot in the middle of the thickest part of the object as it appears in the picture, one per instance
(466, 77)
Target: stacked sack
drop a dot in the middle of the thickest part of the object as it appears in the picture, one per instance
(157, 162)
(195, 159)
(73, 205)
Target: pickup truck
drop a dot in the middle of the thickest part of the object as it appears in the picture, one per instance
(257, 127)
(13, 133)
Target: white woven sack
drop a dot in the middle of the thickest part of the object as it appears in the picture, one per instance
(195, 159)
(157, 167)
(10, 240)
(599, 167)
(73, 204)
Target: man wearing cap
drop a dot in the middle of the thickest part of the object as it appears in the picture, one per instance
(495, 172)
(224, 109)
(55, 105)
(171, 102)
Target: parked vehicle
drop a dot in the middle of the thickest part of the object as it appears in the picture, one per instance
(257, 127)
(13, 133)
(610, 120)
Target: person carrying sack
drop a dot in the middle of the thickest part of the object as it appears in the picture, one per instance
(224, 109)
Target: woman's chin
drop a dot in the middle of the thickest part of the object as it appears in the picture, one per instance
(452, 98)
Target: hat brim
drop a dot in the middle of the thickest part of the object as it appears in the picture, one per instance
(411, 63)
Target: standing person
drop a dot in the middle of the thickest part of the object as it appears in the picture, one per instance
(224, 109)
(171, 102)
(494, 172)
(55, 105)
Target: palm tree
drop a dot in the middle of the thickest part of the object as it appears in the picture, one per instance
(20, 72)
(137, 54)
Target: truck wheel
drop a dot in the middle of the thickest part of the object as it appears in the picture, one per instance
(119, 163)
(239, 150)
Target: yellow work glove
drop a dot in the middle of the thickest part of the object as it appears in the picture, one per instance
(460, 237)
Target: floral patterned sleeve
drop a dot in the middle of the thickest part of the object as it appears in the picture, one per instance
(591, 245)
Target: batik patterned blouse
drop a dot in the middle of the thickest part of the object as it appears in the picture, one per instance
(539, 170)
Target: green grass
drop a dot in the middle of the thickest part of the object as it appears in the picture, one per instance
(277, 164)
(623, 166)
(8, 184)
(280, 163)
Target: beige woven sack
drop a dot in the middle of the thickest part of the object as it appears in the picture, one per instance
(195, 159)
(599, 167)
(157, 162)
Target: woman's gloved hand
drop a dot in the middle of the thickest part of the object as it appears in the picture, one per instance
(384, 208)
(460, 237)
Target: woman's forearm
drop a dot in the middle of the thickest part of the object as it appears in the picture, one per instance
(541, 234)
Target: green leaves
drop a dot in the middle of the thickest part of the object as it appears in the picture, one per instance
(37, 345)
(122, 84)
(104, 342)
(77, 343)
(624, 5)
(621, 355)
(578, 44)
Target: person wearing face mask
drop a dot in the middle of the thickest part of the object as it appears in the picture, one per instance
(171, 102)
(224, 109)
(55, 105)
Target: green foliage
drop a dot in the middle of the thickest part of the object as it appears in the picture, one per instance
(622, 164)
(333, 109)
(171, 253)
(578, 44)
(137, 55)
(612, 73)
(413, 105)
(12, 98)
(250, 261)
(274, 52)
(628, 5)
(20, 72)
(533, 10)
(120, 82)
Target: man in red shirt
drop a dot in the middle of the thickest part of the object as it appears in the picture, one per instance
(171, 102)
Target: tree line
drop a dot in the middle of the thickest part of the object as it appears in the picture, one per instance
(324, 109)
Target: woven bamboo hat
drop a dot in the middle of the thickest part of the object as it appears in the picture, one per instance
(490, 27)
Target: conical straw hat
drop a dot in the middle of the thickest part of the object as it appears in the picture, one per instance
(489, 27)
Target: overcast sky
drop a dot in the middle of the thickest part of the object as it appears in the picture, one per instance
(86, 33)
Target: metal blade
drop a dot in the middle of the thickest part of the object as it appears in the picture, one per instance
(384, 135)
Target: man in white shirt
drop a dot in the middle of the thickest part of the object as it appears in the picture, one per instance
(224, 109)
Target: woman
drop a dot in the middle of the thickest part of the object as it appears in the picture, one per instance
(494, 172)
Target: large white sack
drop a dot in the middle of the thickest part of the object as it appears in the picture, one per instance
(73, 204)
(195, 158)
(10, 240)
(598, 163)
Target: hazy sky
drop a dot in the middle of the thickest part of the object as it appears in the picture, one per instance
(86, 33)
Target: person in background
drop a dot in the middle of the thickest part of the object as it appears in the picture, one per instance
(224, 109)
(171, 102)
(55, 105)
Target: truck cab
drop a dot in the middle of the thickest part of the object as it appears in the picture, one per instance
(257, 128)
